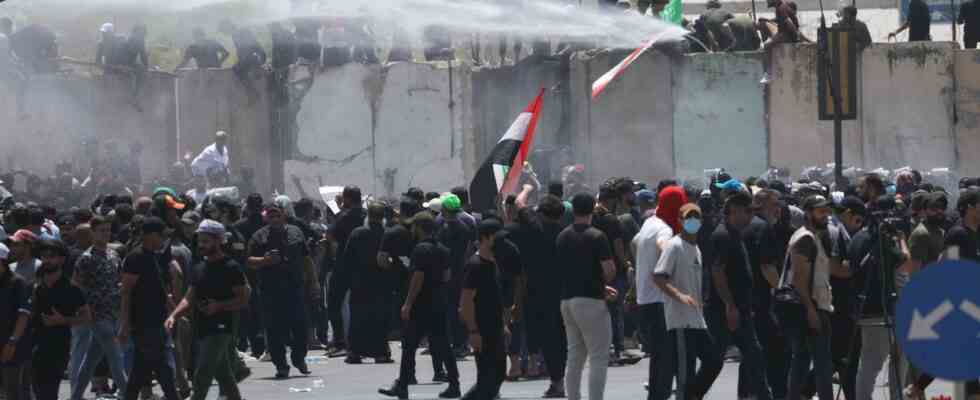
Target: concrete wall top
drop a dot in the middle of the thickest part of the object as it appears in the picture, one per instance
(213, 100)
(65, 112)
(968, 111)
(908, 105)
(719, 114)
(628, 129)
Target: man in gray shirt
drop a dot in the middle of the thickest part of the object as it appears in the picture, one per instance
(678, 275)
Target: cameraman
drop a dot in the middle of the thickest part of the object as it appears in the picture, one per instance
(876, 253)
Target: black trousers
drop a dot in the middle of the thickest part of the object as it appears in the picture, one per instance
(655, 328)
(150, 360)
(427, 320)
(286, 322)
(339, 286)
(491, 362)
(368, 325)
(775, 347)
(684, 348)
(48, 368)
(546, 332)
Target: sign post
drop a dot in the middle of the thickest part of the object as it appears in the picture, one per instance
(938, 320)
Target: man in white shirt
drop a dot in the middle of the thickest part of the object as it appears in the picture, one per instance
(647, 246)
(214, 157)
(678, 275)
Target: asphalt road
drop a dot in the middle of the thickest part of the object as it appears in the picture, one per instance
(333, 379)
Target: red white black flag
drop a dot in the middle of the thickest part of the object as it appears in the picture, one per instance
(500, 173)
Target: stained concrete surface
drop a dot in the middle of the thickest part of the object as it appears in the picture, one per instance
(719, 114)
(908, 105)
(968, 111)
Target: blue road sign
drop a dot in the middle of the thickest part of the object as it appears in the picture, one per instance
(937, 320)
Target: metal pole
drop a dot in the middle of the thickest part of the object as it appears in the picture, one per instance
(754, 15)
(824, 48)
(952, 8)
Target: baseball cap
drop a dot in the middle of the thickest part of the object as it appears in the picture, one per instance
(854, 205)
(919, 200)
(489, 227)
(434, 205)
(646, 196)
(731, 184)
(153, 225)
(191, 218)
(164, 190)
(814, 202)
(212, 227)
(937, 200)
(451, 203)
(688, 209)
(23, 235)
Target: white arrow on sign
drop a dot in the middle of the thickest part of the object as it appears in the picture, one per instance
(921, 327)
(971, 309)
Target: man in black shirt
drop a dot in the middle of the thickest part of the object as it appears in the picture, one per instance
(485, 317)
(969, 17)
(217, 291)
(252, 327)
(918, 21)
(148, 279)
(15, 343)
(963, 241)
(605, 220)
(351, 217)
(278, 252)
(59, 306)
(729, 309)
(545, 302)
(207, 53)
(587, 262)
(424, 311)
(370, 292)
(251, 56)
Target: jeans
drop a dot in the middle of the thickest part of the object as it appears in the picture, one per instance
(875, 349)
(102, 343)
(81, 340)
(152, 353)
(744, 337)
(807, 346)
(213, 363)
(655, 330)
(588, 328)
(490, 365)
(684, 348)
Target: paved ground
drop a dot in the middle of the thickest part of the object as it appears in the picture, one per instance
(360, 382)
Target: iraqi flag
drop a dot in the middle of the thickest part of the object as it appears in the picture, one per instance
(500, 173)
(600, 84)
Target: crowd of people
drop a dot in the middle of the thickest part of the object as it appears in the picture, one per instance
(801, 277)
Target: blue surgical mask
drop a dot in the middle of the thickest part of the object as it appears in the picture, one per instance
(692, 225)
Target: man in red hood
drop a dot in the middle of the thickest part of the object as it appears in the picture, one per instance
(669, 202)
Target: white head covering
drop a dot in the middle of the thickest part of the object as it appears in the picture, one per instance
(107, 28)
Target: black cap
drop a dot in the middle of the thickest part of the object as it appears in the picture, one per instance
(970, 197)
(489, 227)
(919, 200)
(937, 200)
(53, 245)
(814, 202)
(415, 194)
(854, 205)
(583, 204)
(153, 225)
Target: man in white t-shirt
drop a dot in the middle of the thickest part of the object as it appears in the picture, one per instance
(647, 245)
(678, 276)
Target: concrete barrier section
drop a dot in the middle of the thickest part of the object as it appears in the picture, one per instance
(968, 111)
(908, 103)
(719, 114)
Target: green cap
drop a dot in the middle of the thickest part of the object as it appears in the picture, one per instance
(451, 203)
(165, 190)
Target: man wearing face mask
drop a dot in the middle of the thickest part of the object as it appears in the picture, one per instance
(679, 276)
(808, 268)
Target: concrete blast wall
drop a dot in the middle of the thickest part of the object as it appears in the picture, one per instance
(967, 72)
(216, 100)
(63, 113)
(384, 129)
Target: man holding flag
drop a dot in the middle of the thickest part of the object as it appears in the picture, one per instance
(501, 172)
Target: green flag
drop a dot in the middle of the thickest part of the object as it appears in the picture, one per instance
(674, 12)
